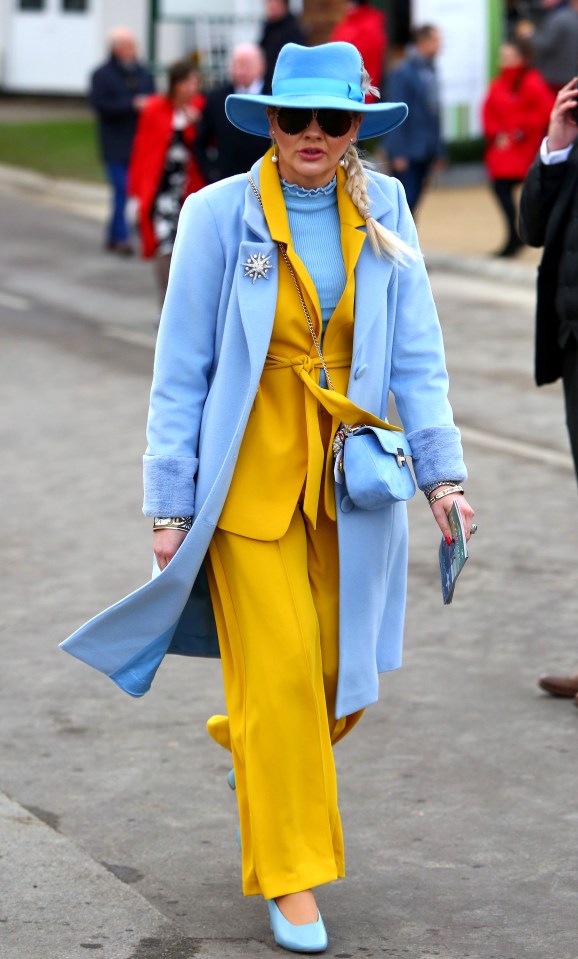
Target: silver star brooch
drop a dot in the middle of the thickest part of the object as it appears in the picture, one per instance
(257, 267)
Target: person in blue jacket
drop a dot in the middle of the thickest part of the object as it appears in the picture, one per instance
(415, 146)
(118, 91)
(257, 541)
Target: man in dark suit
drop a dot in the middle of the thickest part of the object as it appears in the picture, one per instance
(118, 91)
(221, 149)
(417, 144)
(549, 218)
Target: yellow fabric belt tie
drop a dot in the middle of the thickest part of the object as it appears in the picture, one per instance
(337, 405)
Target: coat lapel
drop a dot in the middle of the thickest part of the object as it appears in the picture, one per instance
(353, 234)
(372, 274)
(257, 294)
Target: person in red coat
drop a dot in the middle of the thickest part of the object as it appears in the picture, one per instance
(515, 119)
(364, 27)
(162, 169)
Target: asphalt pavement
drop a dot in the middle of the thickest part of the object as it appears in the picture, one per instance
(117, 829)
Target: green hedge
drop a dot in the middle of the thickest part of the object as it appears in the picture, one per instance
(466, 151)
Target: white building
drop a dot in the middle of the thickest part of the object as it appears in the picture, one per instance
(52, 46)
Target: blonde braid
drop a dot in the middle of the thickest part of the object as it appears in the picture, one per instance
(383, 241)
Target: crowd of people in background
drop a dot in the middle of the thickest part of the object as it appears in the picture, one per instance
(195, 144)
(157, 148)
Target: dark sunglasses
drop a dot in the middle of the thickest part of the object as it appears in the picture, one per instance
(335, 123)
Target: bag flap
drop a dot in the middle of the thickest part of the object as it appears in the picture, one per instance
(389, 440)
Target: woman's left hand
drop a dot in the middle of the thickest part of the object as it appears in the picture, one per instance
(441, 508)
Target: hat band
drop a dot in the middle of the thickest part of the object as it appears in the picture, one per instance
(310, 86)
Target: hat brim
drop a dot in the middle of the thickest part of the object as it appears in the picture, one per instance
(247, 112)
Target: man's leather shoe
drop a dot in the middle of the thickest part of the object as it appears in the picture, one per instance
(566, 686)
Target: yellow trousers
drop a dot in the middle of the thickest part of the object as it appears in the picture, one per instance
(276, 606)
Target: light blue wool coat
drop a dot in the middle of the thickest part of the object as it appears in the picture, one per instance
(213, 339)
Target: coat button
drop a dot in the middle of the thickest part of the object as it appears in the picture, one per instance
(346, 504)
(360, 371)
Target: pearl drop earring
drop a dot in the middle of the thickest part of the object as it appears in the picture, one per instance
(343, 161)
(274, 158)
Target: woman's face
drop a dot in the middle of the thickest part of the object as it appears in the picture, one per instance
(186, 89)
(310, 158)
(509, 56)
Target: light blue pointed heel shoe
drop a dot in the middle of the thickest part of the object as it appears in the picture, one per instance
(312, 937)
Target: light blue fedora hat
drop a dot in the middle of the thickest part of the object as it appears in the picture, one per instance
(327, 76)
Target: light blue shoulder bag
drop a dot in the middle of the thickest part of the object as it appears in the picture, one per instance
(373, 465)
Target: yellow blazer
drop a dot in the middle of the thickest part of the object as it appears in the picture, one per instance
(282, 449)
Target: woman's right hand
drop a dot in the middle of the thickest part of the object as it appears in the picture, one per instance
(563, 130)
(165, 544)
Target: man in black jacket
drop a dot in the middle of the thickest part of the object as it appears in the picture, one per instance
(221, 149)
(280, 27)
(549, 218)
(118, 91)
(555, 42)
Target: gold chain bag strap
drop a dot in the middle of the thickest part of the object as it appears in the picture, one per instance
(372, 483)
(283, 252)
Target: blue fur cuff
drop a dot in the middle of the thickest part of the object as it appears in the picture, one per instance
(169, 485)
(437, 455)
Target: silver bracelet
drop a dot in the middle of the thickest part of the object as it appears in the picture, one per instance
(446, 491)
(428, 490)
(173, 522)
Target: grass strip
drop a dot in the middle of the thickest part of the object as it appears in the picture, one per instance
(59, 148)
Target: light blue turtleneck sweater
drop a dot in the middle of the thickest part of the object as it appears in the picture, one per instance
(316, 233)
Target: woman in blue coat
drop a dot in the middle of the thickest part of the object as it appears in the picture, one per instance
(297, 301)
